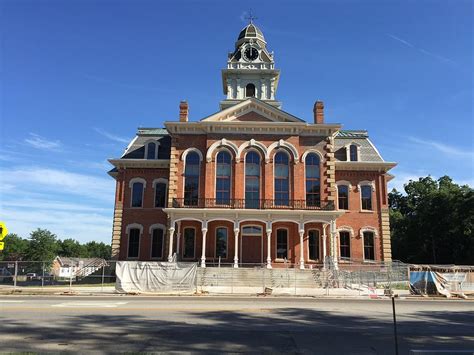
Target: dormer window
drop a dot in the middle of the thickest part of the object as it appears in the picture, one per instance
(151, 150)
(250, 90)
(353, 153)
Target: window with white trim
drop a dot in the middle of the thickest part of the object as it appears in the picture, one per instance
(137, 194)
(369, 245)
(160, 194)
(189, 243)
(313, 193)
(366, 197)
(282, 179)
(221, 242)
(345, 244)
(151, 151)
(157, 243)
(223, 177)
(191, 179)
(343, 197)
(252, 180)
(282, 244)
(353, 152)
(313, 244)
(133, 242)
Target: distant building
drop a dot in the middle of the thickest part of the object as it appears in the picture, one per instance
(251, 184)
(64, 267)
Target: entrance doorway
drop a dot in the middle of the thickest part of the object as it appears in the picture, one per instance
(251, 251)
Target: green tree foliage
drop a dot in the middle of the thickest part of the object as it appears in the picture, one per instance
(43, 246)
(433, 222)
(15, 247)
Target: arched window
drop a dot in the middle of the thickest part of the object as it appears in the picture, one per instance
(160, 194)
(133, 242)
(282, 180)
(282, 244)
(157, 242)
(313, 244)
(191, 179)
(366, 197)
(221, 242)
(345, 244)
(137, 194)
(252, 180)
(223, 175)
(353, 153)
(343, 197)
(151, 151)
(250, 90)
(313, 194)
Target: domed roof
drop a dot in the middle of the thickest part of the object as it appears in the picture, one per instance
(251, 31)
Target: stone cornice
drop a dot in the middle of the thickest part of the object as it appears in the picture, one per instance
(381, 166)
(140, 163)
(293, 128)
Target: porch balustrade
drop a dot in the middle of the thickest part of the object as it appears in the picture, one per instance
(260, 204)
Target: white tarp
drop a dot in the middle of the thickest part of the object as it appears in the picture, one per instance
(155, 277)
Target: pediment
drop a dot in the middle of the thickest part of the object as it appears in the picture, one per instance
(252, 110)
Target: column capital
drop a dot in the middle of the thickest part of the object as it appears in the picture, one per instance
(269, 231)
(204, 230)
(236, 230)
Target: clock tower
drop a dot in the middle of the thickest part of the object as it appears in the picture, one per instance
(250, 70)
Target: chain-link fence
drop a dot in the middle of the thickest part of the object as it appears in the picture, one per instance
(96, 275)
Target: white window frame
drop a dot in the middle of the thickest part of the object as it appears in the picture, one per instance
(303, 161)
(262, 170)
(277, 259)
(195, 242)
(227, 242)
(349, 188)
(183, 175)
(151, 229)
(130, 185)
(127, 232)
(160, 181)
(319, 259)
(348, 152)
(371, 184)
(361, 233)
(290, 185)
(157, 147)
(232, 166)
(351, 237)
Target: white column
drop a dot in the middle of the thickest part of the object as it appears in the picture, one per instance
(333, 243)
(203, 255)
(269, 248)
(236, 247)
(324, 246)
(170, 250)
(301, 231)
(178, 236)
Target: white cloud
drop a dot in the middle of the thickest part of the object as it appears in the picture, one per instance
(444, 148)
(421, 50)
(59, 182)
(112, 136)
(39, 142)
(403, 177)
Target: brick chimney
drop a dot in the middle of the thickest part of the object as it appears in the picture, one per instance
(183, 111)
(318, 111)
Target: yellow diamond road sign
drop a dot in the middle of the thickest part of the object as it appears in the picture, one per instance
(3, 233)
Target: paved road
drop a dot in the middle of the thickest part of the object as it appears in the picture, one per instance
(231, 324)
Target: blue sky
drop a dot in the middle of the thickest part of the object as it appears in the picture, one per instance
(78, 78)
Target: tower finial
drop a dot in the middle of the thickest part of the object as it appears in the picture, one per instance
(250, 17)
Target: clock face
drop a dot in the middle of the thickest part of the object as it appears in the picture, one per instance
(251, 53)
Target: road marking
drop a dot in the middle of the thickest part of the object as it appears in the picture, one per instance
(89, 304)
(11, 301)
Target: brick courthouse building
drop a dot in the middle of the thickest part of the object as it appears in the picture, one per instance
(251, 183)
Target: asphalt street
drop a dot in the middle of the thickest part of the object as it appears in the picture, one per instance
(207, 324)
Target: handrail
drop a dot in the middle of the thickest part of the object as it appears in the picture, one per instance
(259, 204)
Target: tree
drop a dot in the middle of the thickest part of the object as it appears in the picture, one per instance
(98, 250)
(433, 222)
(72, 248)
(43, 246)
(15, 247)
